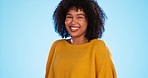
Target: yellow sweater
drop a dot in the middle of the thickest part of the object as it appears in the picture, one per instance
(89, 60)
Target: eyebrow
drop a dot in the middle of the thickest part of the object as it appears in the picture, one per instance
(77, 14)
(81, 14)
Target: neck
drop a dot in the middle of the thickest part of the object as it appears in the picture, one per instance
(77, 41)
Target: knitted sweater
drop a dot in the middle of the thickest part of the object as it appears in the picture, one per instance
(88, 60)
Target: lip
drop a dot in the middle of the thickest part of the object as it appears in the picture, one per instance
(74, 28)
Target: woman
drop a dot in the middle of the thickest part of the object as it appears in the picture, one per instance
(84, 55)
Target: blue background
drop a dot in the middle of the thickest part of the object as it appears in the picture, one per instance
(27, 33)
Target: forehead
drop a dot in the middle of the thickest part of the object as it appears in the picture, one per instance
(75, 10)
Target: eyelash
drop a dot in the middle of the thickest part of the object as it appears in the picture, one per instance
(79, 17)
(71, 17)
(68, 16)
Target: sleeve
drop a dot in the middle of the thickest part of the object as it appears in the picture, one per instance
(104, 63)
(50, 58)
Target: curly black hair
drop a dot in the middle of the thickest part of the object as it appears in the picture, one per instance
(94, 14)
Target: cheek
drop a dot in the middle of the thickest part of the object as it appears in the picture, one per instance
(66, 26)
(84, 24)
(67, 21)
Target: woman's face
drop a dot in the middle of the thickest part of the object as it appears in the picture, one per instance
(76, 23)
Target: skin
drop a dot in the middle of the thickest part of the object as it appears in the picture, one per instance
(76, 25)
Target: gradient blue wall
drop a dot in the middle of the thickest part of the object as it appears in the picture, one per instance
(26, 34)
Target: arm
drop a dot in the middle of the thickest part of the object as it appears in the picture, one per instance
(104, 63)
(50, 58)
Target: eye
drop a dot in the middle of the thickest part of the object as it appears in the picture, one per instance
(68, 16)
(80, 17)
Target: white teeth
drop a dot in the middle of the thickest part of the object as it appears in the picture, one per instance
(74, 28)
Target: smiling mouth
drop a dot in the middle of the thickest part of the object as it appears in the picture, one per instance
(74, 28)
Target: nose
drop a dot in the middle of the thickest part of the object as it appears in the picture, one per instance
(73, 21)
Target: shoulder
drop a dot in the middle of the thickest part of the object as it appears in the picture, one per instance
(99, 42)
(101, 47)
(57, 42)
